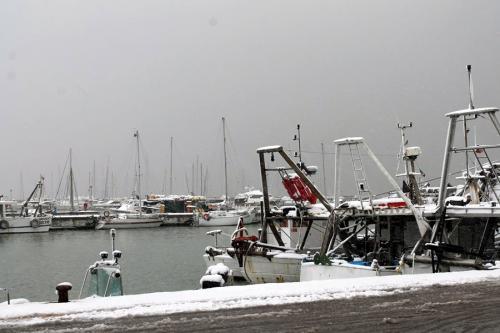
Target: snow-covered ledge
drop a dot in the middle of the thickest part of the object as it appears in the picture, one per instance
(228, 297)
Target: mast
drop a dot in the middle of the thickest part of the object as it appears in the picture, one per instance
(93, 179)
(409, 164)
(71, 189)
(112, 184)
(466, 130)
(298, 154)
(324, 170)
(205, 181)
(195, 185)
(225, 156)
(90, 188)
(21, 186)
(192, 178)
(171, 146)
(402, 129)
(106, 194)
(136, 135)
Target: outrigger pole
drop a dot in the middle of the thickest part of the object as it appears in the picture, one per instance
(298, 171)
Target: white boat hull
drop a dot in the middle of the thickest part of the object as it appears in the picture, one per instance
(218, 222)
(223, 218)
(130, 223)
(283, 267)
(18, 225)
(344, 270)
(340, 270)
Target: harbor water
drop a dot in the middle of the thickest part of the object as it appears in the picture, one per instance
(154, 259)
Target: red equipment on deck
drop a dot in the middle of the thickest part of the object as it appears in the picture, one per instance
(297, 190)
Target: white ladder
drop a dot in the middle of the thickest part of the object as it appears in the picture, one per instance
(364, 193)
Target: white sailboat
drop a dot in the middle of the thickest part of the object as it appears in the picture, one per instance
(69, 214)
(137, 219)
(223, 216)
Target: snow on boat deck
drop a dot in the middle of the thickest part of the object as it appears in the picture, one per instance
(95, 308)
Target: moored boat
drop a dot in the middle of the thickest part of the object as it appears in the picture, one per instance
(130, 221)
(223, 218)
(28, 219)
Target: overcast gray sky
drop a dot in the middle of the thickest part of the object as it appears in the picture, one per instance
(86, 74)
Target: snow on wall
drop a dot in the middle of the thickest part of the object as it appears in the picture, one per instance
(228, 297)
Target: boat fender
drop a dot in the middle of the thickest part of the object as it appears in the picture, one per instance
(4, 224)
(106, 213)
(206, 217)
(35, 223)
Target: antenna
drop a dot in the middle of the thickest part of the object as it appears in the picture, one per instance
(296, 137)
(471, 88)
(402, 129)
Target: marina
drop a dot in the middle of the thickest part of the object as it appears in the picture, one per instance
(289, 167)
(411, 235)
(167, 258)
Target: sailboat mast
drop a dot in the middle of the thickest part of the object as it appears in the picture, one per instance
(106, 196)
(225, 156)
(136, 134)
(94, 190)
(171, 163)
(71, 197)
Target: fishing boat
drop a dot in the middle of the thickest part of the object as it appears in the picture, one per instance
(132, 220)
(454, 233)
(29, 219)
(288, 232)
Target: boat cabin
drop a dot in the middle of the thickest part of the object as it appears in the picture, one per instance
(104, 276)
